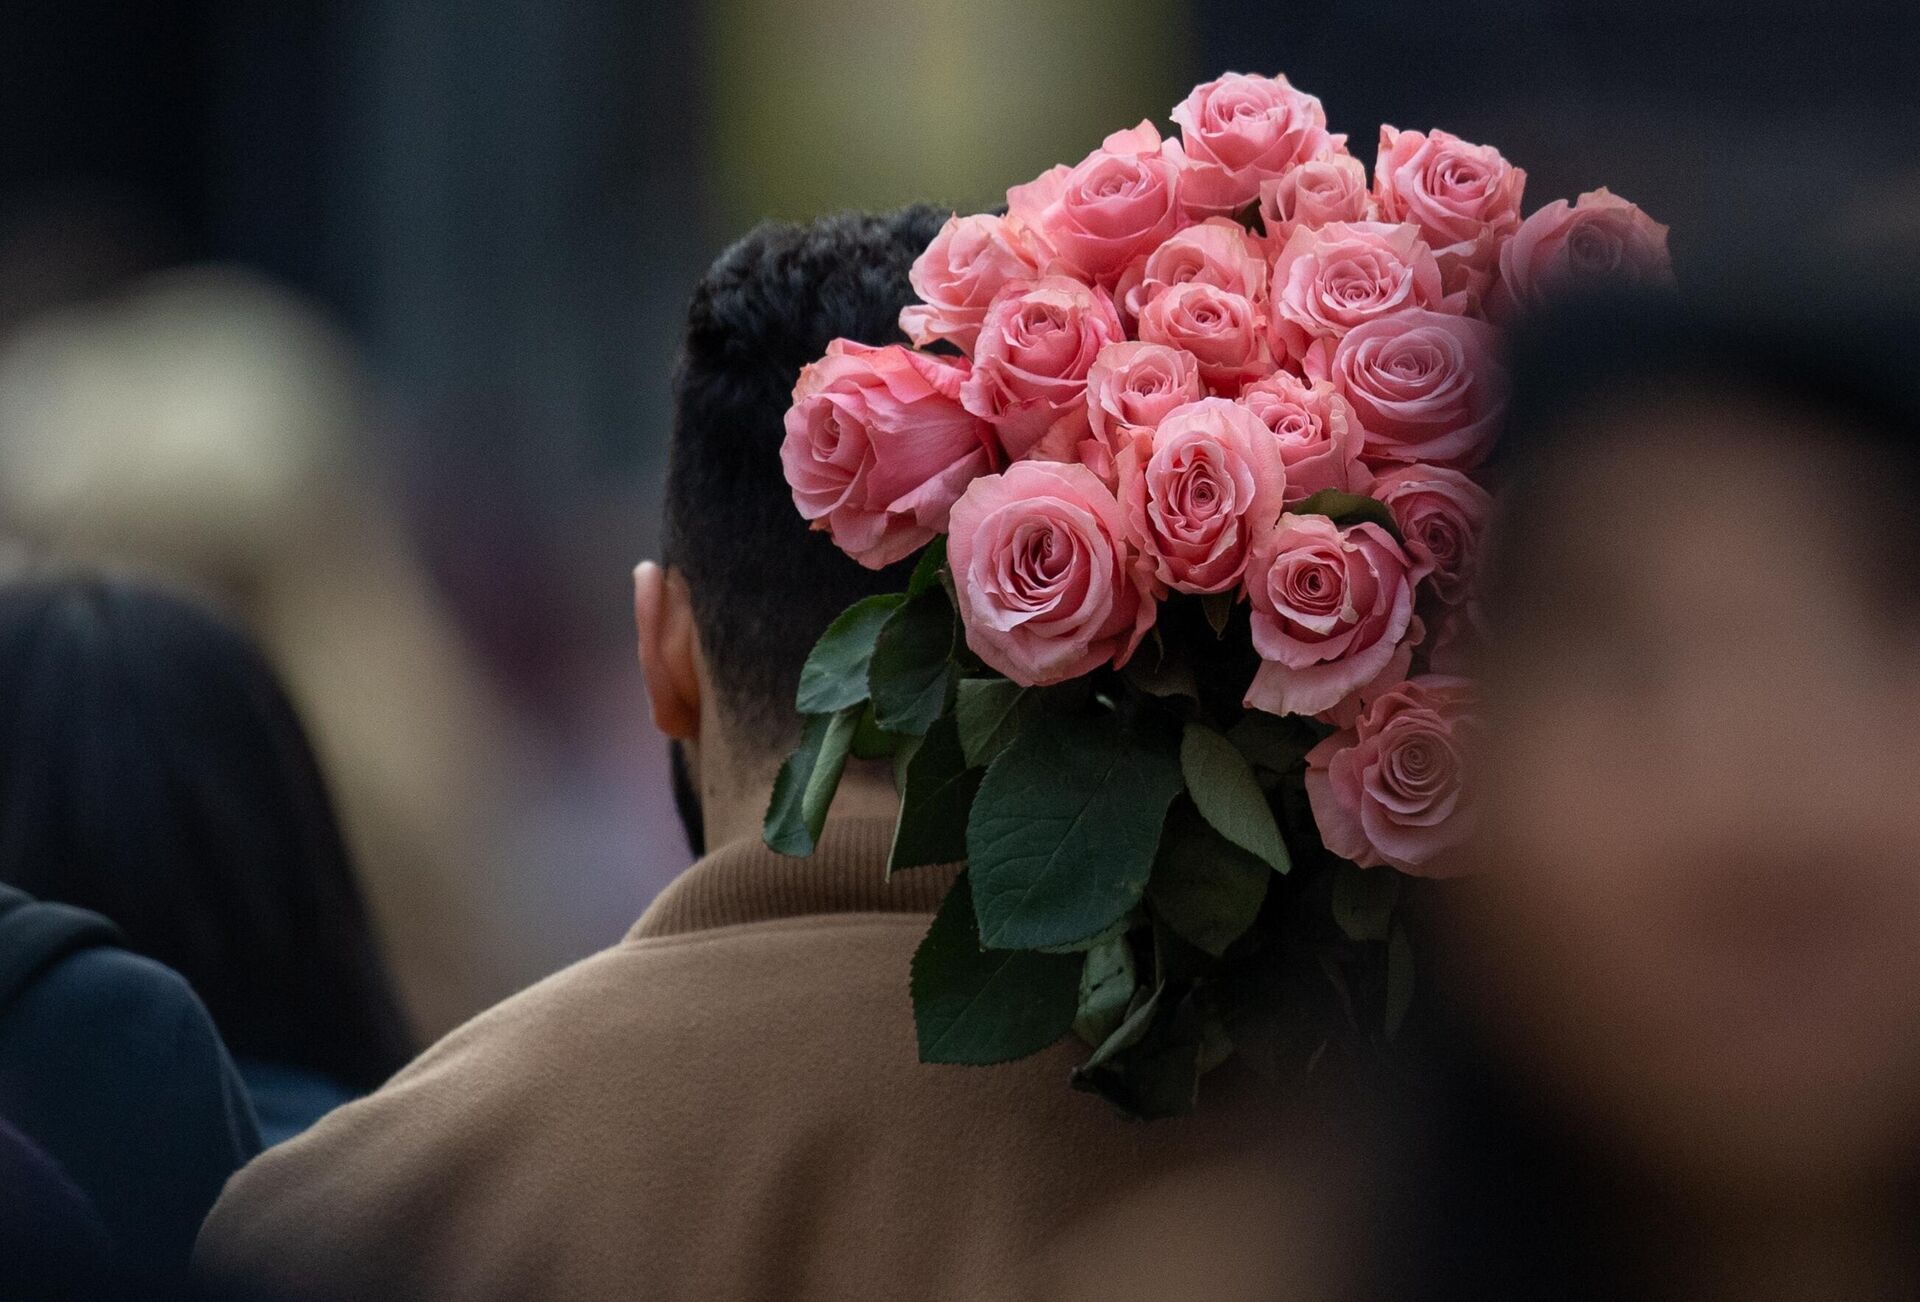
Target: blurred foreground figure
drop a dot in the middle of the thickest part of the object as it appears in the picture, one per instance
(729, 1105)
(153, 771)
(54, 1245)
(204, 425)
(120, 1113)
(1681, 1054)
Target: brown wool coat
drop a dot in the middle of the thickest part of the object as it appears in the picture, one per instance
(727, 1105)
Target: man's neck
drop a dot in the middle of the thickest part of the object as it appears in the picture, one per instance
(737, 812)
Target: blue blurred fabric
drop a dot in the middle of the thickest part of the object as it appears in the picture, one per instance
(111, 1066)
(286, 1100)
(51, 1240)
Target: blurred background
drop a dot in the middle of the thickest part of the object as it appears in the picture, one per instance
(359, 315)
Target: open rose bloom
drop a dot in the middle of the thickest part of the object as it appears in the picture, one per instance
(1192, 444)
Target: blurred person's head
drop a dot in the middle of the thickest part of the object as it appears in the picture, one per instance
(1692, 939)
(198, 419)
(747, 587)
(153, 770)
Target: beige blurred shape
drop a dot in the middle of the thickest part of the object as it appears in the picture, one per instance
(825, 104)
(1276, 1224)
(204, 425)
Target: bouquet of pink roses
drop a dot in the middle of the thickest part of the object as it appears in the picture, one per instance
(1188, 452)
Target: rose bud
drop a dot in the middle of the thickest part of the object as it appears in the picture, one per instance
(1037, 343)
(1048, 587)
(1201, 492)
(1393, 789)
(1464, 198)
(1425, 386)
(1330, 280)
(1314, 426)
(1130, 389)
(1441, 514)
(878, 447)
(1316, 193)
(1601, 240)
(1333, 615)
(1117, 203)
(1223, 330)
(970, 260)
(1239, 131)
(1217, 251)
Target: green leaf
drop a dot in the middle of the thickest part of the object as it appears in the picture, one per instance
(1141, 1009)
(979, 1006)
(835, 675)
(912, 667)
(1347, 509)
(926, 572)
(1166, 676)
(1219, 611)
(1175, 958)
(1204, 887)
(988, 712)
(1150, 1067)
(1118, 927)
(1063, 832)
(804, 788)
(1228, 796)
(903, 753)
(1273, 745)
(871, 743)
(1363, 900)
(1107, 983)
(934, 800)
(1399, 981)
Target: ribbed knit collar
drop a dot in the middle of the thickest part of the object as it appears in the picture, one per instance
(746, 882)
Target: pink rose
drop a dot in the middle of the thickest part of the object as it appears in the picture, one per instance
(1217, 251)
(1220, 328)
(1201, 493)
(1316, 193)
(1319, 439)
(1329, 280)
(1441, 514)
(1464, 198)
(1130, 389)
(1117, 203)
(878, 447)
(1037, 342)
(1601, 240)
(970, 260)
(1425, 386)
(1048, 587)
(1332, 614)
(1239, 131)
(1393, 790)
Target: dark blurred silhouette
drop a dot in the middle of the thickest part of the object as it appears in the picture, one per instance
(1676, 1050)
(152, 770)
(111, 1068)
(52, 1241)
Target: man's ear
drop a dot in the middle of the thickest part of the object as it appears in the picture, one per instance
(669, 649)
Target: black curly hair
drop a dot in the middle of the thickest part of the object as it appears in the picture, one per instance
(764, 585)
